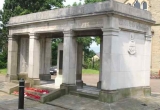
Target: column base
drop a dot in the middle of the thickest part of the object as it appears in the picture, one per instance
(23, 76)
(68, 87)
(79, 83)
(58, 80)
(9, 77)
(147, 91)
(99, 84)
(45, 77)
(33, 81)
(115, 95)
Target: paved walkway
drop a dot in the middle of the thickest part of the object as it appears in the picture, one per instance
(10, 102)
(78, 103)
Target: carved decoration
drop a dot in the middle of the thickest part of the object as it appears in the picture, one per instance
(132, 46)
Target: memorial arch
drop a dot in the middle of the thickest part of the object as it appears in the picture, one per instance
(125, 37)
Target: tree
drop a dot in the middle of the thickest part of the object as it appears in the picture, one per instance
(20, 7)
(93, 1)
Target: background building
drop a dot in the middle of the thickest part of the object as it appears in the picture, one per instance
(154, 7)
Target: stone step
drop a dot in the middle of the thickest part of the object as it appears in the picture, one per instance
(53, 94)
(8, 87)
(27, 84)
(33, 92)
(86, 95)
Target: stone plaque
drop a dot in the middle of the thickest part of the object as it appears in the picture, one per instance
(132, 46)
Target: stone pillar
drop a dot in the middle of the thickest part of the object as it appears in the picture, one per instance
(100, 70)
(147, 63)
(58, 79)
(79, 81)
(12, 58)
(109, 81)
(34, 58)
(23, 58)
(69, 61)
(45, 44)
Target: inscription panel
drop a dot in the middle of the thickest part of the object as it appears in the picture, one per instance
(131, 25)
(89, 23)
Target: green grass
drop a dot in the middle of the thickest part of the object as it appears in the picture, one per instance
(3, 71)
(90, 71)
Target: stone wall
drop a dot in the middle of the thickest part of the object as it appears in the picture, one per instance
(153, 7)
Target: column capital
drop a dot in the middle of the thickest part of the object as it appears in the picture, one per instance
(110, 31)
(33, 36)
(12, 37)
(148, 37)
(68, 33)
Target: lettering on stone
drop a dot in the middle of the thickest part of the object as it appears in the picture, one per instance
(89, 23)
(132, 46)
(132, 25)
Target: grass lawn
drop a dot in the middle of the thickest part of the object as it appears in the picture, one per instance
(90, 71)
(3, 71)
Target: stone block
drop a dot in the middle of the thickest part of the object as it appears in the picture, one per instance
(108, 96)
(68, 87)
(147, 91)
(79, 83)
(23, 76)
(45, 77)
(112, 96)
(52, 95)
(99, 84)
(33, 81)
(8, 77)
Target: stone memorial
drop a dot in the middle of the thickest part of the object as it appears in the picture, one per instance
(125, 34)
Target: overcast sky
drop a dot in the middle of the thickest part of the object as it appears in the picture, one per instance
(68, 2)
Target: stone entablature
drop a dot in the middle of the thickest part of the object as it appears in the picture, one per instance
(101, 8)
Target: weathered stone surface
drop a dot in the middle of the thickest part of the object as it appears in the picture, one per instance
(10, 102)
(79, 103)
(45, 77)
(96, 8)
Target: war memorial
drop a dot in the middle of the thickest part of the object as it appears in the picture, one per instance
(125, 49)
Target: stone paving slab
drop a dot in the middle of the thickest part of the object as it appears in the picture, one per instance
(79, 103)
(7, 86)
(10, 102)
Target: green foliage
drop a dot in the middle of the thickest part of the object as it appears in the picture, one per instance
(20, 7)
(93, 1)
(3, 60)
(91, 64)
(3, 71)
(55, 43)
(90, 71)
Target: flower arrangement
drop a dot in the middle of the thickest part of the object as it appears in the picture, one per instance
(34, 96)
(38, 90)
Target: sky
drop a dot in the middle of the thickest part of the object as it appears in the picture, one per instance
(69, 2)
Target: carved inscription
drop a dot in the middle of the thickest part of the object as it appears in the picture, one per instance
(132, 25)
(89, 23)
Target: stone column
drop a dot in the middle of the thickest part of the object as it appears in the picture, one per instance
(147, 63)
(23, 57)
(109, 77)
(12, 58)
(100, 69)
(48, 51)
(34, 58)
(79, 81)
(69, 61)
(45, 51)
(58, 79)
